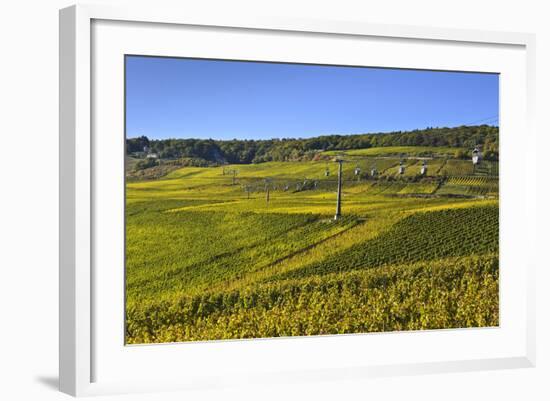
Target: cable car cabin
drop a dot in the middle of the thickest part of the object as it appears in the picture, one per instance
(357, 171)
(424, 169)
(476, 156)
(373, 172)
(401, 168)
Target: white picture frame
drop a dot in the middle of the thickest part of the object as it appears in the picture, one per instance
(82, 344)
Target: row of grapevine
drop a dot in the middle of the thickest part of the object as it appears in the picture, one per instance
(457, 292)
(470, 185)
(457, 167)
(421, 236)
(487, 168)
(419, 188)
(192, 257)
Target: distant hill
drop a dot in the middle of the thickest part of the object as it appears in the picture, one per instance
(288, 149)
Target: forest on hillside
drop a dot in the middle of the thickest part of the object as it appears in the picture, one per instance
(209, 151)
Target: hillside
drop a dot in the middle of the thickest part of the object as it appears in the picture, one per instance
(258, 151)
(253, 250)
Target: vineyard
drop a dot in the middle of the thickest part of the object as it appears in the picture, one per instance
(422, 236)
(253, 250)
(400, 150)
(471, 185)
(443, 294)
(235, 244)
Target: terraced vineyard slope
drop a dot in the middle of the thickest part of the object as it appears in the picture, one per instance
(245, 250)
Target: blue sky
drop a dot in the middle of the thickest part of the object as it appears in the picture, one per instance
(191, 98)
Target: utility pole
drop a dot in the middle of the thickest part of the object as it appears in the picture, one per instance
(267, 181)
(339, 193)
(234, 174)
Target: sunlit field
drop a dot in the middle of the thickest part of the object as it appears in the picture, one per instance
(253, 250)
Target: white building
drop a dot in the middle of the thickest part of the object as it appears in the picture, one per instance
(476, 156)
(424, 168)
(401, 168)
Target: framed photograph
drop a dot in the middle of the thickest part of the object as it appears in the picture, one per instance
(274, 200)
